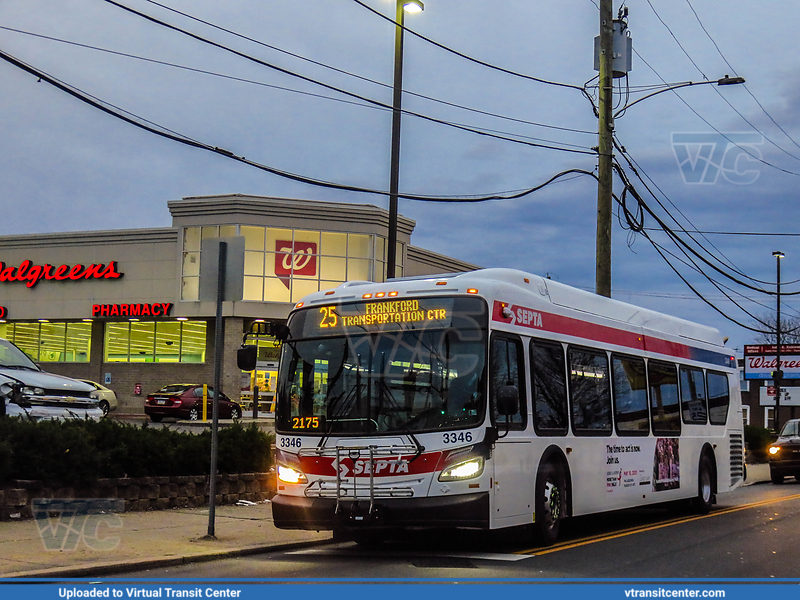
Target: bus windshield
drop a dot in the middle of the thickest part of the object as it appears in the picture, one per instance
(389, 367)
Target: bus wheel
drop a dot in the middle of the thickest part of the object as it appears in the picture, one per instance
(550, 502)
(705, 488)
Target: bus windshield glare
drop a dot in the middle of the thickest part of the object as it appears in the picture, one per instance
(384, 367)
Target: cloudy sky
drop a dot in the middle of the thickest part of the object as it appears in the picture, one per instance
(67, 166)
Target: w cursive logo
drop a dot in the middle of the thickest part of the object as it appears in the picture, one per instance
(703, 156)
(295, 258)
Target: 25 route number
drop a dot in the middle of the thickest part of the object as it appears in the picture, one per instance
(329, 317)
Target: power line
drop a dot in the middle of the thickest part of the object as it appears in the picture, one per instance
(621, 173)
(340, 90)
(469, 58)
(180, 138)
(366, 79)
(703, 27)
(733, 108)
(282, 88)
(702, 118)
(744, 233)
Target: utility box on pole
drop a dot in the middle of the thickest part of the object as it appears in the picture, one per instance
(622, 50)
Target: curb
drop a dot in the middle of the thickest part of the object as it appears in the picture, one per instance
(113, 568)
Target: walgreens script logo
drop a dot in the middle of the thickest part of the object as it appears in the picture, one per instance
(295, 258)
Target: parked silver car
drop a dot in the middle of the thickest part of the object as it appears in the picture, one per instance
(106, 396)
(28, 392)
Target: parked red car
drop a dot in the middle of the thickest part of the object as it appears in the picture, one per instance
(185, 401)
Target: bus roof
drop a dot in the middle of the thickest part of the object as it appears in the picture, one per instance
(496, 282)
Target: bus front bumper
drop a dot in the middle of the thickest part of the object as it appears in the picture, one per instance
(469, 511)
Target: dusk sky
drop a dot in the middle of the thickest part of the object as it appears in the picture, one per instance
(68, 166)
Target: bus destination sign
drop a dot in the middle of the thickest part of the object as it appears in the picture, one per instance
(380, 313)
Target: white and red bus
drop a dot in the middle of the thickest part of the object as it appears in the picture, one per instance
(493, 399)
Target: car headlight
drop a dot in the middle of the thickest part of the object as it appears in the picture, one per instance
(773, 450)
(32, 391)
(463, 470)
(290, 475)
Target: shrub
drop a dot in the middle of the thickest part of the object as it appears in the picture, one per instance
(757, 439)
(80, 452)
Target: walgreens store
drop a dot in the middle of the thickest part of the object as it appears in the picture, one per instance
(122, 307)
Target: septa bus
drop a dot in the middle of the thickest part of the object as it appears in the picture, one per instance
(493, 399)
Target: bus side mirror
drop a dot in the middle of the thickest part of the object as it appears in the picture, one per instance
(282, 332)
(507, 400)
(246, 358)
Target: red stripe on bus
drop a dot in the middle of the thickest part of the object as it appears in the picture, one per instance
(543, 321)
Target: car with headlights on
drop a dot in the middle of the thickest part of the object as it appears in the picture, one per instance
(185, 401)
(784, 453)
(32, 394)
(105, 396)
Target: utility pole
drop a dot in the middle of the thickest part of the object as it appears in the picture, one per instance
(605, 145)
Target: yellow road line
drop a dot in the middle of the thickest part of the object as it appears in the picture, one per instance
(641, 529)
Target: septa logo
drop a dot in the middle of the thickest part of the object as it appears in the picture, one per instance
(362, 467)
(295, 258)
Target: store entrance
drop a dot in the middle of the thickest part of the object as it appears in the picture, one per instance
(266, 378)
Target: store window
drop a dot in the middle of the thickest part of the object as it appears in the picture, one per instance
(162, 342)
(51, 341)
(769, 417)
(283, 265)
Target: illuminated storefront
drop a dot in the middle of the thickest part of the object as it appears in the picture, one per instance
(122, 307)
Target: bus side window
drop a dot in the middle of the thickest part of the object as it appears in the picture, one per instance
(548, 377)
(507, 369)
(664, 401)
(719, 397)
(589, 392)
(693, 396)
(630, 396)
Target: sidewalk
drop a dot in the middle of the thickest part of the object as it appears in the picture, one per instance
(141, 540)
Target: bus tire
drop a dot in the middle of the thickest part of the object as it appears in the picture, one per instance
(550, 502)
(705, 485)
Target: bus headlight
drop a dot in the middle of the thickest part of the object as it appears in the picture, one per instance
(463, 470)
(773, 450)
(290, 475)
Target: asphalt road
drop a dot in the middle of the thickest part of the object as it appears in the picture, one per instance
(752, 533)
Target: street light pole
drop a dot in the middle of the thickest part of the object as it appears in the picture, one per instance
(777, 374)
(403, 6)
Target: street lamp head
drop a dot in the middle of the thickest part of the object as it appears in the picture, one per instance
(730, 80)
(778, 255)
(413, 6)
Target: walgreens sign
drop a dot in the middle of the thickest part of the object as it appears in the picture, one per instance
(761, 361)
(31, 274)
(295, 258)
